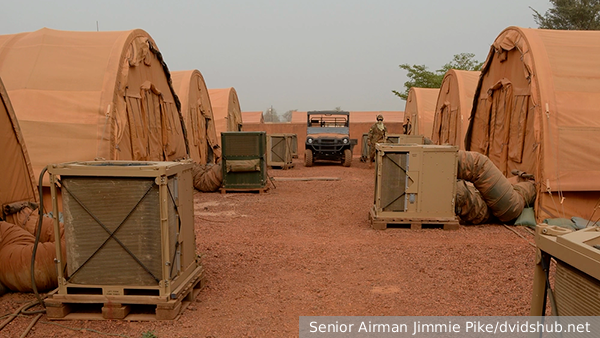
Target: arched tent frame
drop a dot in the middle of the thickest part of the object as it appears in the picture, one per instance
(18, 183)
(197, 112)
(253, 117)
(226, 110)
(419, 111)
(85, 95)
(453, 108)
(536, 110)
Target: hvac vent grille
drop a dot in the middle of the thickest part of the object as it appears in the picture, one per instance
(393, 182)
(130, 208)
(242, 144)
(576, 293)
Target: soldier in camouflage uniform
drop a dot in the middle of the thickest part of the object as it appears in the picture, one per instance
(377, 134)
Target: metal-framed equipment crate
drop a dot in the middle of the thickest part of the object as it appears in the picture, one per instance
(577, 273)
(364, 149)
(129, 239)
(279, 151)
(414, 187)
(244, 161)
(390, 138)
(405, 139)
(294, 144)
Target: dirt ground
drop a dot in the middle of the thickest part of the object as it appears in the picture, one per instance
(305, 248)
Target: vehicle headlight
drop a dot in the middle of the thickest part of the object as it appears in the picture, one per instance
(310, 141)
(345, 141)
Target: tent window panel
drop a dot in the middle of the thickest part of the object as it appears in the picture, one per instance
(137, 122)
(194, 125)
(481, 126)
(169, 129)
(452, 130)
(151, 106)
(445, 132)
(500, 124)
(518, 125)
(171, 118)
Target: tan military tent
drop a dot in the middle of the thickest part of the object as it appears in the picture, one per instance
(87, 95)
(197, 113)
(453, 107)
(538, 110)
(419, 111)
(226, 110)
(17, 183)
(253, 117)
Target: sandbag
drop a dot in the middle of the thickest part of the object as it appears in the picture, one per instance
(207, 177)
(561, 222)
(582, 223)
(526, 218)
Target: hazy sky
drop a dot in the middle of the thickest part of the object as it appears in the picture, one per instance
(303, 54)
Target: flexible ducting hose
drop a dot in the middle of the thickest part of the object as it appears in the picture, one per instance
(505, 201)
(469, 205)
(37, 235)
(27, 252)
(207, 177)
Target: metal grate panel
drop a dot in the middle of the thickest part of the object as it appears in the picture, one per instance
(393, 182)
(130, 208)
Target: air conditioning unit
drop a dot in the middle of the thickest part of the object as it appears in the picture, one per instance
(244, 160)
(279, 150)
(390, 138)
(405, 139)
(414, 186)
(577, 273)
(129, 229)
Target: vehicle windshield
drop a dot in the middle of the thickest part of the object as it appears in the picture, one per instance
(327, 120)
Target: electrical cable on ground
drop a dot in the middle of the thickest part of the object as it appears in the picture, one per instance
(30, 326)
(518, 234)
(37, 236)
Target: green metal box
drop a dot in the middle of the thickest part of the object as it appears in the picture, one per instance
(244, 160)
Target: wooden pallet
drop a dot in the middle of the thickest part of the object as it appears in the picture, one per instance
(382, 223)
(129, 308)
(256, 190)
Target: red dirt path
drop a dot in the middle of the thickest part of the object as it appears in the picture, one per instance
(306, 248)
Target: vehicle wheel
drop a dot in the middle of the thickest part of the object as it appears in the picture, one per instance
(308, 158)
(347, 157)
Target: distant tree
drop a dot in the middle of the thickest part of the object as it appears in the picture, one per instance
(419, 76)
(287, 116)
(338, 109)
(270, 115)
(570, 15)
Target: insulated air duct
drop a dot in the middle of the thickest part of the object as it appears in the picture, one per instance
(505, 200)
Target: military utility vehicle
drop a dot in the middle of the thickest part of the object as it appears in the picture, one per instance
(328, 137)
